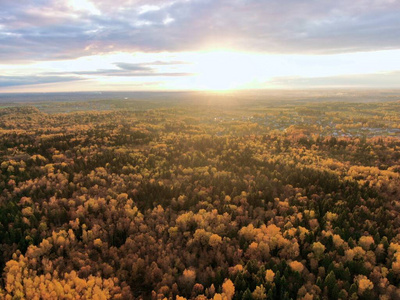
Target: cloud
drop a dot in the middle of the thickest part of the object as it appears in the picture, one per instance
(124, 73)
(373, 80)
(166, 63)
(133, 67)
(136, 70)
(9, 81)
(52, 29)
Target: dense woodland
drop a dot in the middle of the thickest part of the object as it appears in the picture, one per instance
(261, 200)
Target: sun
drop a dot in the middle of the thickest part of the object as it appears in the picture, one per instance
(222, 71)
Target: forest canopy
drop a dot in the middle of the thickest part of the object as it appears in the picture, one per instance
(256, 200)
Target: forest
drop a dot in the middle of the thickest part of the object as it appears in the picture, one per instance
(224, 200)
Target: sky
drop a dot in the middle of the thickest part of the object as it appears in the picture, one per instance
(129, 45)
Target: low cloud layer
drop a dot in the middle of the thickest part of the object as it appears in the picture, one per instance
(10, 81)
(54, 29)
(376, 80)
(122, 69)
(135, 70)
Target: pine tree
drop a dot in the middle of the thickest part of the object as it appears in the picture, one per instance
(331, 283)
(247, 295)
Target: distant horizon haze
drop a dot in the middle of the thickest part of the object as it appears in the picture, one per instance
(207, 97)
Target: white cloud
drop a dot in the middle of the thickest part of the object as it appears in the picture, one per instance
(85, 6)
(147, 8)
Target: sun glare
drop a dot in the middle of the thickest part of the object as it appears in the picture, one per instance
(218, 70)
(223, 71)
